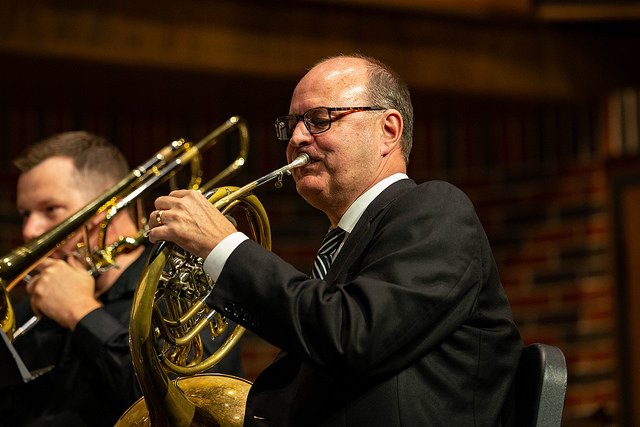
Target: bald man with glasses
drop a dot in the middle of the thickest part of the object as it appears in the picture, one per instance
(403, 320)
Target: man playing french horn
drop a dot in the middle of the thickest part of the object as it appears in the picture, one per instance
(409, 325)
(81, 341)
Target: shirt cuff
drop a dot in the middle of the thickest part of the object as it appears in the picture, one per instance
(214, 262)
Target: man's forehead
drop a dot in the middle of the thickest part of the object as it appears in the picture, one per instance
(331, 83)
(343, 73)
(339, 71)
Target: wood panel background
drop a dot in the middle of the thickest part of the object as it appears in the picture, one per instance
(515, 102)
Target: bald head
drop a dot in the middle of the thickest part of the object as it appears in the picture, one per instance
(342, 79)
(372, 81)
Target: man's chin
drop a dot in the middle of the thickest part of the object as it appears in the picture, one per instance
(307, 184)
(310, 190)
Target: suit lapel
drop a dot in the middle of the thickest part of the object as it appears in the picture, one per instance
(360, 235)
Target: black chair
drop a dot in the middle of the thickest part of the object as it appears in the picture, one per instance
(540, 386)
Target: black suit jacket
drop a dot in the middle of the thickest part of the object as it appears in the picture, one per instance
(411, 326)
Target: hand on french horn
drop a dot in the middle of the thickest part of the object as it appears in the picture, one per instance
(186, 218)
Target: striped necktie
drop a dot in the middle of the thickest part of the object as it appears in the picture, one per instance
(325, 255)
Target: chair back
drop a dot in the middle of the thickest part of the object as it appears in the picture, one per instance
(540, 386)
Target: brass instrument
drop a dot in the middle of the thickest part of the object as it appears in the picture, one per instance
(169, 307)
(161, 167)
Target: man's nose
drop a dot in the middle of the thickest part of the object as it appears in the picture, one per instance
(301, 135)
(32, 227)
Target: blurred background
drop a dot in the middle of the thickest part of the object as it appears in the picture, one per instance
(530, 106)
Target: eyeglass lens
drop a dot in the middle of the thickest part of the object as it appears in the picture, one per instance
(316, 120)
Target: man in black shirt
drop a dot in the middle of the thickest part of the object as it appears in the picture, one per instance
(83, 335)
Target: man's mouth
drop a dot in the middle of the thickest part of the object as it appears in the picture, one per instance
(312, 159)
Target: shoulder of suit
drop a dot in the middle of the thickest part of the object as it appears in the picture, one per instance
(434, 190)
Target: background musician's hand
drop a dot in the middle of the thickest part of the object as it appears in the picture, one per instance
(64, 291)
(186, 218)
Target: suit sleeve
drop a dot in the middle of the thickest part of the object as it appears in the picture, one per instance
(413, 276)
(102, 340)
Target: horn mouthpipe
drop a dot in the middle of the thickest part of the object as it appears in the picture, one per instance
(299, 161)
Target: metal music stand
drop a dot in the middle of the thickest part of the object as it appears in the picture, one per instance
(12, 369)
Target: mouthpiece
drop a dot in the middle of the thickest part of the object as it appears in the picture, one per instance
(301, 160)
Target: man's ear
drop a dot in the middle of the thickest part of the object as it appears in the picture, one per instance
(392, 126)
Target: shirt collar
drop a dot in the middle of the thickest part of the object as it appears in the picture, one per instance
(127, 282)
(357, 208)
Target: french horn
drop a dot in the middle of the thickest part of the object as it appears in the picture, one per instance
(169, 311)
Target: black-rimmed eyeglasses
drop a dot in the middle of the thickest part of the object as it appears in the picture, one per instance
(316, 120)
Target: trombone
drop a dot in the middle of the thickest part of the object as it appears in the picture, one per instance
(21, 262)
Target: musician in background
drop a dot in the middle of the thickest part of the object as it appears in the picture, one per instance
(83, 334)
(410, 324)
